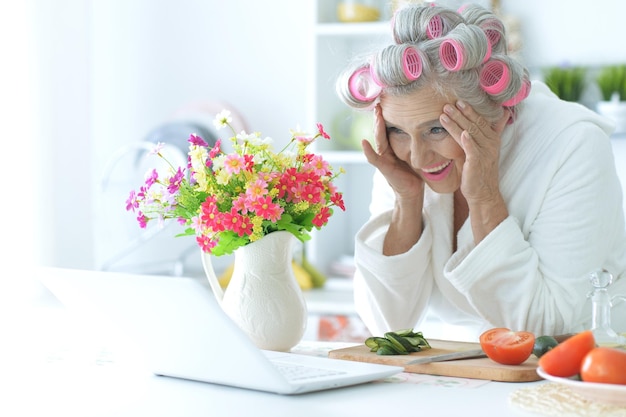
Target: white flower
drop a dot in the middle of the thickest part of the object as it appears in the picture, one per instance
(218, 162)
(297, 132)
(252, 138)
(222, 119)
(157, 149)
(291, 156)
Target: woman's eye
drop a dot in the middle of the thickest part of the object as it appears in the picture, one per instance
(394, 131)
(437, 132)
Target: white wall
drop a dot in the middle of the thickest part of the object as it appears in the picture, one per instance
(578, 32)
(150, 58)
(107, 71)
(112, 70)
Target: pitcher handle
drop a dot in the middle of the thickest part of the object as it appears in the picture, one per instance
(210, 274)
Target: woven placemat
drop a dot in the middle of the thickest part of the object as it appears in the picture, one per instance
(552, 399)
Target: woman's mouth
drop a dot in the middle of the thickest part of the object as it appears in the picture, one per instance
(437, 172)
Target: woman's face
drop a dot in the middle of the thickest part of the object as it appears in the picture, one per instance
(417, 137)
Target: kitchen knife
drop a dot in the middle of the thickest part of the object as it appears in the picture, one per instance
(466, 354)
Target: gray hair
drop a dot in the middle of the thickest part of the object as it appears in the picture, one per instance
(461, 54)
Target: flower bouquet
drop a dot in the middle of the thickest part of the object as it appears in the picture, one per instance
(228, 200)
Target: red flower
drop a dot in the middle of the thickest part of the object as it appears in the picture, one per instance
(337, 199)
(321, 218)
(206, 243)
(211, 216)
(237, 223)
(312, 193)
(249, 162)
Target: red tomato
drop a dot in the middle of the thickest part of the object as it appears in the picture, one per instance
(506, 346)
(605, 365)
(565, 359)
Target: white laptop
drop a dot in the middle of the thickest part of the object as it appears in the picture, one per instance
(184, 333)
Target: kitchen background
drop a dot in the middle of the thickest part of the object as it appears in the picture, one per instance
(84, 79)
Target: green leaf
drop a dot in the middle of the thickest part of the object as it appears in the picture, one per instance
(188, 232)
(229, 241)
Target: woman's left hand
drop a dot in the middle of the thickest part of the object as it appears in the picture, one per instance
(481, 142)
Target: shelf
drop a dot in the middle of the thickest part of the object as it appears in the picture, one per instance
(334, 44)
(353, 29)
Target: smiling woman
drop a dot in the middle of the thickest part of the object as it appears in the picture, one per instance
(482, 210)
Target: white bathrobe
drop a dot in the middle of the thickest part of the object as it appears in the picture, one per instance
(558, 179)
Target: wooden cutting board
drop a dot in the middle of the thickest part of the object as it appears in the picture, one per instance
(478, 368)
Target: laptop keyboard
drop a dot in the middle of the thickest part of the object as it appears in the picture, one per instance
(296, 372)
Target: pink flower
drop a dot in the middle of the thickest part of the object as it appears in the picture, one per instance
(131, 202)
(206, 243)
(305, 140)
(215, 150)
(264, 207)
(241, 203)
(142, 219)
(174, 183)
(321, 131)
(257, 189)
(318, 165)
(196, 224)
(197, 140)
(152, 178)
(233, 163)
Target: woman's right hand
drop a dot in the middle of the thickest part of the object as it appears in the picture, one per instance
(402, 179)
(405, 227)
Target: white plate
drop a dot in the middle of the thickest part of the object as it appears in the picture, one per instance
(605, 393)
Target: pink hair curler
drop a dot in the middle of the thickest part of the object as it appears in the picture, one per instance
(375, 76)
(494, 77)
(451, 54)
(434, 29)
(362, 86)
(411, 64)
(493, 36)
(493, 29)
(521, 94)
(488, 53)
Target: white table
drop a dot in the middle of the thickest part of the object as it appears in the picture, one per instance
(49, 367)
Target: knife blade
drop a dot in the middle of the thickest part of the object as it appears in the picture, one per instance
(466, 354)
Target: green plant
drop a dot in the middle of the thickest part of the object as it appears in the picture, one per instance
(566, 82)
(612, 79)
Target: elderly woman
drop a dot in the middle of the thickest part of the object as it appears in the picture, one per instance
(493, 200)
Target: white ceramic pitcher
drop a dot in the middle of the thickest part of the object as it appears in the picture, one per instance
(263, 296)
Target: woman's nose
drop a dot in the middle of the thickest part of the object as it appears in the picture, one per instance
(420, 153)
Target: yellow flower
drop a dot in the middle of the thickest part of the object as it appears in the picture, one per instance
(257, 228)
(222, 177)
